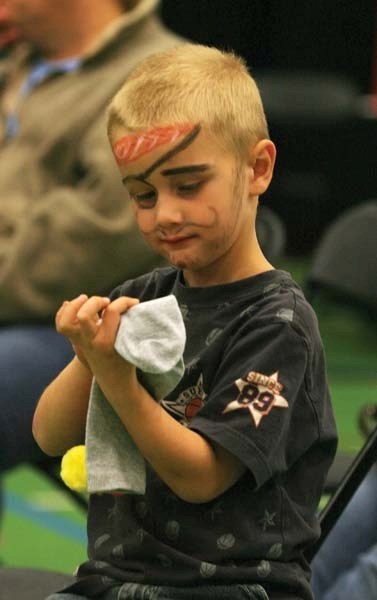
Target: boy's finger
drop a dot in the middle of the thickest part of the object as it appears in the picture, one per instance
(66, 315)
(91, 309)
(121, 305)
(60, 310)
(110, 322)
(110, 317)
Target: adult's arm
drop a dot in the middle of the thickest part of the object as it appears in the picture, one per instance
(74, 237)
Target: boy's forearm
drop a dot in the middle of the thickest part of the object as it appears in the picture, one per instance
(194, 469)
(60, 417)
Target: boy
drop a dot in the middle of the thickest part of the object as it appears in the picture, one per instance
(233, 484)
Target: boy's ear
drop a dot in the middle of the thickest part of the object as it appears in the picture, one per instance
(261, 162)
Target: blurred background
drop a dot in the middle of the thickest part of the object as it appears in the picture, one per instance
(313, 62)
(316, 66)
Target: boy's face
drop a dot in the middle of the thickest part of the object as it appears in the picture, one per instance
(192, 205)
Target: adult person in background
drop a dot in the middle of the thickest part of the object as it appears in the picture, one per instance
(65, 220)
(346, 565)
(9, 33)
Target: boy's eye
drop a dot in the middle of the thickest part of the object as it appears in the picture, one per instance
(145, 199)
(189, 188)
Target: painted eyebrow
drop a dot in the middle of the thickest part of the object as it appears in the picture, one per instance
(186, 169)
(187, 140)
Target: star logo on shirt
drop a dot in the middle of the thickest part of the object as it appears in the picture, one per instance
(188, 403)
(259, 394)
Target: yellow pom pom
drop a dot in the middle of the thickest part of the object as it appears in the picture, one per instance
(73, 469)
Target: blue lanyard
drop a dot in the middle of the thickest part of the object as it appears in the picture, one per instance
(38, 73)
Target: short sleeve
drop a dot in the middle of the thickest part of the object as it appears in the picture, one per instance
(257, 402)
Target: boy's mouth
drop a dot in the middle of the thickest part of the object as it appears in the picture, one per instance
(176, 240)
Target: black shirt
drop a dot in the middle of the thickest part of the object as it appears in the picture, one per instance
(255, 383)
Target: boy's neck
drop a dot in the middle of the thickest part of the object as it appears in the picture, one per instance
(225, 271)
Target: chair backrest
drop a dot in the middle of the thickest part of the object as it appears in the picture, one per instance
(271, 233)
(345, 260)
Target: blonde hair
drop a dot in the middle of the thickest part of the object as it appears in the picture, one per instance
(192, 84)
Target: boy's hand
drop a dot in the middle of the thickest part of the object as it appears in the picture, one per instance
(91, 324)
(61, 318)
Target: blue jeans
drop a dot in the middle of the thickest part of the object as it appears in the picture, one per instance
(137, 591)
(346, 564)
(30, 358)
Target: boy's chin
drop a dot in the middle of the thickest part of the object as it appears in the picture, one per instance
(179, 263)
(176, 261)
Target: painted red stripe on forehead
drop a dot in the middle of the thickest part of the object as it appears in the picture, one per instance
(132, 146)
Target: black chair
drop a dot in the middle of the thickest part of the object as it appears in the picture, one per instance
(317, 119)
(344, 263)
(271, 233)
(338, 469)
(30, 584)
(344, 272)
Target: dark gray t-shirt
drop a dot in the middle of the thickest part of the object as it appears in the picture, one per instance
(255, 383)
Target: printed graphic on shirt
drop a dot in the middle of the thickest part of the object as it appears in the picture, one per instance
(268, 520)
(275, 551)
(258, 393)
(188, 403)
(212, 336)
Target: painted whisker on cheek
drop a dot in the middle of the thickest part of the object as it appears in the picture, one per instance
(204, 223)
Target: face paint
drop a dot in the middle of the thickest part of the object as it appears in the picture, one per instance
(187, 140)
(186, 209)
(134, 145)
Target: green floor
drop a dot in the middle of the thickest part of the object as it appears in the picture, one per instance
(42, 528)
